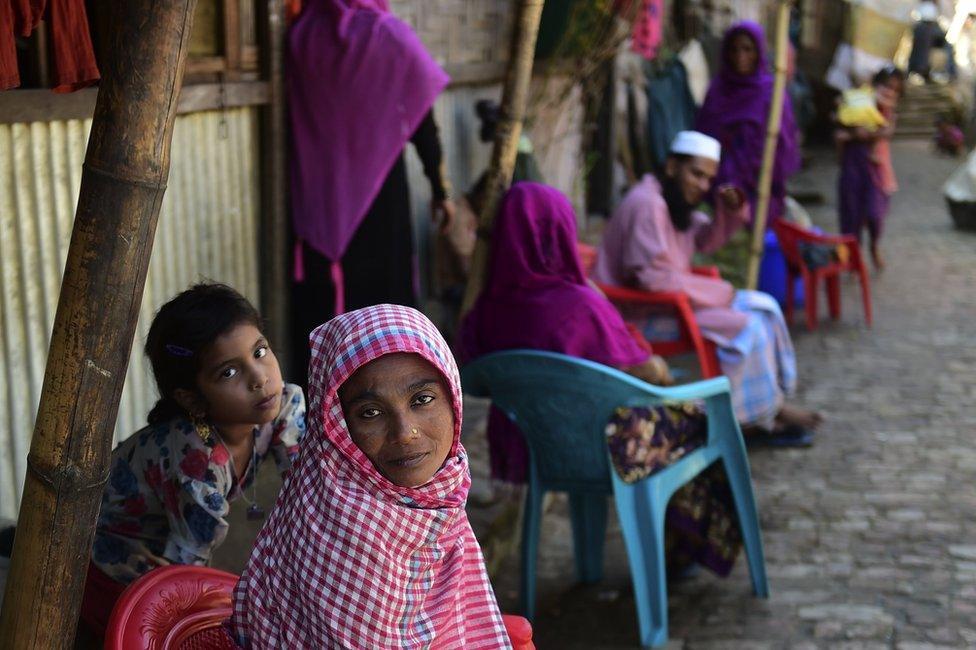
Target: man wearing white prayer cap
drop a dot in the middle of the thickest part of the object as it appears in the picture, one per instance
(648, 244)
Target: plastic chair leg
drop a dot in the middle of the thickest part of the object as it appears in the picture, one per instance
(790, 282)
(810, 296)
(588, 513)
(641, 510)
(711, 367)
(833, 296)
(737, 470)
(862, 274)
(530, 547)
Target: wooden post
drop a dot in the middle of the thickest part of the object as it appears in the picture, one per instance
(772, 139)
(122, 186)
(514, 96)
(274, 187)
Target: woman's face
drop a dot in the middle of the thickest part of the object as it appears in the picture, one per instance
(399, 412)
(743, 54)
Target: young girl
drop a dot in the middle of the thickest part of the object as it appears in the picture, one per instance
(368, 545)
(223, 409)
(867, 177)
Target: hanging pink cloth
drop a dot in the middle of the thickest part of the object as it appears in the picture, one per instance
(359, 83)
(646, 37)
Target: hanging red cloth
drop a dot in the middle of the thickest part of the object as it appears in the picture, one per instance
(648, 16)
(646, 37)
(73, 55)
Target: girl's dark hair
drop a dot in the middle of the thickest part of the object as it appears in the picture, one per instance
(887, 73)
(182, 331)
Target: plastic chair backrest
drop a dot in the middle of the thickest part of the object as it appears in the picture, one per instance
(789, 236)
(588, 256)
(172, 607)
(562, 404)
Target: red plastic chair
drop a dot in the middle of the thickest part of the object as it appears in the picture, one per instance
(690, 339)
(790, 237)
(182, 607)
(676, 304)
(176, 607)
(519, 631)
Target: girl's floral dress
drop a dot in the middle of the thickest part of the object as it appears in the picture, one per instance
(169, 491)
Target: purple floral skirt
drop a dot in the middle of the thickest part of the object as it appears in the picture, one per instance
(701, 521)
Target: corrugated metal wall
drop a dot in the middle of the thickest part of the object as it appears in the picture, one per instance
(207, 230)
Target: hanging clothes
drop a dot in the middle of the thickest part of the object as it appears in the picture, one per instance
(671, 109)
(646, 37)
(73, 57)
(692, 56)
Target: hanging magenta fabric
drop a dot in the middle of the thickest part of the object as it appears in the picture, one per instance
(359, 83)
(646, 37)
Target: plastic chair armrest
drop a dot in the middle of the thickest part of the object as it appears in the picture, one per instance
(697, 390)
(707, 271)
(826, 239)
(626, 294)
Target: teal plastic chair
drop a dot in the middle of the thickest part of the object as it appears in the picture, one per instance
(562, 404)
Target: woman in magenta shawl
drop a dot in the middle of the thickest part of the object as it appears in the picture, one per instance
(537, 296)
(735, 113)
(360, 86)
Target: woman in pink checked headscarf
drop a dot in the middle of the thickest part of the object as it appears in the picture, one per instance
(368, 545)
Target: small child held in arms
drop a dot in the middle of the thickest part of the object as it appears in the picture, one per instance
(223, 409)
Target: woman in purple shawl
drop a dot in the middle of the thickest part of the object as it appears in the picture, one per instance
(360, 86)
(536, 296)
(735, 113)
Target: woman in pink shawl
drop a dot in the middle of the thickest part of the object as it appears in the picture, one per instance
(368, 545)
(537, 296)
(735, 113)
(360, 86)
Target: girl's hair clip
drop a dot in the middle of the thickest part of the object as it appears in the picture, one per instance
(178, 351)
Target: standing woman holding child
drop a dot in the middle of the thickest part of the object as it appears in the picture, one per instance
(867, 176)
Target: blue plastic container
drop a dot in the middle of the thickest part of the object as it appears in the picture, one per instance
(772, 273)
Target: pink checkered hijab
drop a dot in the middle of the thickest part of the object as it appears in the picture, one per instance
(348, 559)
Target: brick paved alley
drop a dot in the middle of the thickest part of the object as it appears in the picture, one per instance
(870, 536)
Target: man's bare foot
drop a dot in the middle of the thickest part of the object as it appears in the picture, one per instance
(799, 416)
(876, 258)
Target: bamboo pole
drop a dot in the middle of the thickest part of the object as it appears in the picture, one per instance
(274, 189)
(772, 139)
(122, 186)
(514, 98)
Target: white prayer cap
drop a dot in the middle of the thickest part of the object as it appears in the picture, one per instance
(693, 143)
